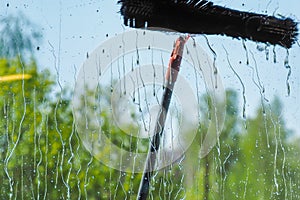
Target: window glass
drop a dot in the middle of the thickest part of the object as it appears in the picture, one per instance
(83, 96)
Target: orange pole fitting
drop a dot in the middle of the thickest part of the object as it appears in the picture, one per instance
(175, 59)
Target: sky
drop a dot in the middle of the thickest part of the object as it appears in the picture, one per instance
(73, 29)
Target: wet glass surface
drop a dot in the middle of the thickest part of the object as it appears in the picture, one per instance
(81, 93)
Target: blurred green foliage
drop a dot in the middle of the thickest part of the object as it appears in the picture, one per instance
(42, 155)
(254, 158)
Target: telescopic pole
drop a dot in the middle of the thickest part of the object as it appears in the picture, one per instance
(171, 76)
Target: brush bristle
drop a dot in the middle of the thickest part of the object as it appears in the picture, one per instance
(203, 17)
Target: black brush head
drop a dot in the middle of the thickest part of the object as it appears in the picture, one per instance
(203, 17)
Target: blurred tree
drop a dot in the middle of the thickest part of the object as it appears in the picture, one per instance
(262, 169)
(205, 169)
(20, 123)
(18, 36)
(256, 162)
(40, 150)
